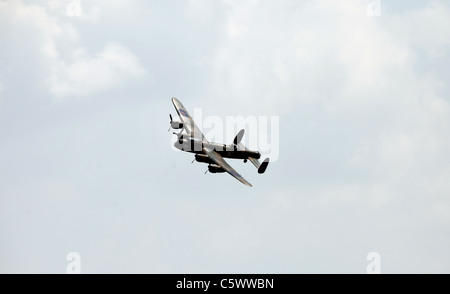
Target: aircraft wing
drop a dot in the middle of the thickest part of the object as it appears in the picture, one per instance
(223, 164)
(188, 123)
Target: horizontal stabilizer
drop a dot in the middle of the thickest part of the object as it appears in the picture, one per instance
(262, 168)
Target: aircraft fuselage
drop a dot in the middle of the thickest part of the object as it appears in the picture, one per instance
(227, 151)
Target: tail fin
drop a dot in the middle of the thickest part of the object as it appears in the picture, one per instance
(239, 137)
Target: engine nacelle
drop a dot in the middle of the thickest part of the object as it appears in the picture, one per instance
(203, 158)
(188, 144)
(176, 125)
(215, 169)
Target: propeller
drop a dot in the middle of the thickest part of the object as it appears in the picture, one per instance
(171, 120)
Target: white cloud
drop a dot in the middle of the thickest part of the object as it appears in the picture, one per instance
(199, 10)
(88, 74)
(282, 53)
(427, 28)
(35, 16)
(70, 67)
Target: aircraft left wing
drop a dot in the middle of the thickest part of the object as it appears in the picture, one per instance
(223, 164)
(188, 123)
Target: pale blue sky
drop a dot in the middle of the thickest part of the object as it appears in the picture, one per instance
(86, 163)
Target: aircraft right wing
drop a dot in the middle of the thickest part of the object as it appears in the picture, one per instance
(223, 164)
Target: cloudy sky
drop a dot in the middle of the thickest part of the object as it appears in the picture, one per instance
(86, 164)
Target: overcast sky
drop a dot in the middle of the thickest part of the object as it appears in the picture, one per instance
(86, 163)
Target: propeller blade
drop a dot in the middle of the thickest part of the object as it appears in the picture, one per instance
(170, 115)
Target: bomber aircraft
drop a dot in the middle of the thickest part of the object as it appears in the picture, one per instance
(193, 141)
